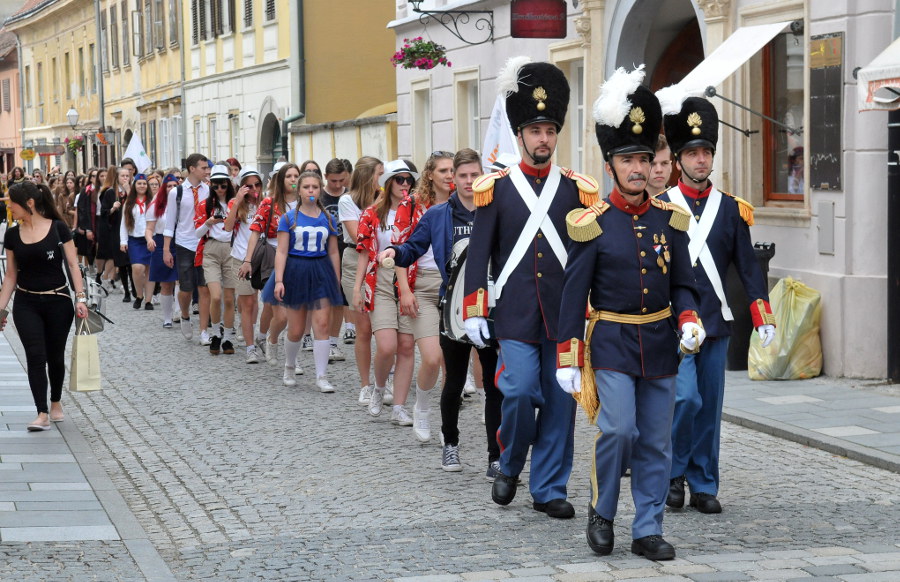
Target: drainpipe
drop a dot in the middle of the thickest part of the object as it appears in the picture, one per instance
(183, 54)
(298, 66)
(893, 234)
(99, 76)
(20, 59)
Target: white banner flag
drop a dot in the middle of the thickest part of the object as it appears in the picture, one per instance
(499, 138)
(136, 152)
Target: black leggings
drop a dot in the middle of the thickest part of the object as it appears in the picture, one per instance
(43, 323)
(456, 360)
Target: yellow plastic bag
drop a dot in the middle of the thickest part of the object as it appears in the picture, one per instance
(796, 351)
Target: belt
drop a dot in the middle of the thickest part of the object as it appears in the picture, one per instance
(62, 291)
(630, 319)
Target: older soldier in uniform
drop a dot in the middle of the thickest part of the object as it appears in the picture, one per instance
(719, 235)
(629, 259)
(519, 234)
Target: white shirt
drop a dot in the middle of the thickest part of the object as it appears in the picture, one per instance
(186, 236)
(385, 231)
(160, 220)
(348, 210)
(427, 261)
(216, 231)
(140, 223)
(242, 235)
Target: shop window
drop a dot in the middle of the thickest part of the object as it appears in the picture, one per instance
(784, 100)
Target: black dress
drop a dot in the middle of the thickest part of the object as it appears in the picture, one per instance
(108, 226)
(85, 213)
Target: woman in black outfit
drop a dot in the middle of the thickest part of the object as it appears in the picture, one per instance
(43, 312)
(111, 202)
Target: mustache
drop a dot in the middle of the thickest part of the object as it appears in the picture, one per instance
(637, 176)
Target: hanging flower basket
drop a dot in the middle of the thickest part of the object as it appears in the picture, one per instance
(418, 53)
(75, 144)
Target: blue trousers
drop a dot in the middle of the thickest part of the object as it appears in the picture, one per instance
(527, 379)
(634, 428)
(699, 392)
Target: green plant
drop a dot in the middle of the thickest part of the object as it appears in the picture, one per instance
(418, 53)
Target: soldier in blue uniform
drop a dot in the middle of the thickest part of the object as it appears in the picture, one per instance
(719, 236)
(519, 239)
(629, 262)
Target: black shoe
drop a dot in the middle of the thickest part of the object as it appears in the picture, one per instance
(558, 508)
(705, 503)
(600, 535)
(504, 489)
(227, 347)
(215, 344)
(676, 493)
(653, 548)
(127, 298)
(148, 307)
(138, 301)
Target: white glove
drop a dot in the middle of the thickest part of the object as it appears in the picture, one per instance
(766, 334)
(569, 379)
(477, 330)
(692, 335)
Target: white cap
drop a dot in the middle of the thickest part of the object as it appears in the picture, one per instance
(276, 167)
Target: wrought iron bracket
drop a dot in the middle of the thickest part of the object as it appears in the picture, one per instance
(452, 19)
(711, 92)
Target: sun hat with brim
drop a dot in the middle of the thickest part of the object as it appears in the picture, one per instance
(246, 172)
(393, 168)
(276, 167)
(220, 172)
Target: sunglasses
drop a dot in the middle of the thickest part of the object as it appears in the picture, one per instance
(220, 185)
(404, 179)
(441, 154)
(253, 185)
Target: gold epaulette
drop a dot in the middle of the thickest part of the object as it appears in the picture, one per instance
(582, 224)
(483, 187)
(744, 207)
(588, 187)
(680, 219)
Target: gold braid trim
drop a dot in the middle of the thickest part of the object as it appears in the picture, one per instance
(483, 187)
(588, 398)
(680, 218)
(582, 224)
(745, 208)
(588, 187)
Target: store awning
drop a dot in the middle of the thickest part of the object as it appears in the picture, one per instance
(728, 57)
(878, 83)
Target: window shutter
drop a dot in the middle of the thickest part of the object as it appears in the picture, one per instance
(7, 106)
(126, 40)
(248, 13)
(270, 10)
(216, 9)
(203, 35)
(195, 19)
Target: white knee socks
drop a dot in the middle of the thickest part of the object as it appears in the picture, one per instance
(168, 305)
(423, 400)
(291, 349)
(320, 353)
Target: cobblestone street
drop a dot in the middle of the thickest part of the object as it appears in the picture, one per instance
(233, 476)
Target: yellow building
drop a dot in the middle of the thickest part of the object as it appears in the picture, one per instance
(142, 76)
(59, 54)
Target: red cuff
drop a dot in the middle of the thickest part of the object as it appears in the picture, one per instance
(475, 304)
(570, 353)
(688, 317)
(761, 313)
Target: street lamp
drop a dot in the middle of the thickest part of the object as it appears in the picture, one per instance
(72, 116)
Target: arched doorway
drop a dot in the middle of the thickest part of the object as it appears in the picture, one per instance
(269, 143)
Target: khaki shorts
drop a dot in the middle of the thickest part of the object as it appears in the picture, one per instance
(241, 286)
(217, 263)
(427, 292)
(348, 273)
(386, 314)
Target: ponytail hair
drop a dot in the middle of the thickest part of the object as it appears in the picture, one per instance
(44, 204)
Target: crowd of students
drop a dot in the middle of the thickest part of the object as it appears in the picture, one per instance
(196, 231)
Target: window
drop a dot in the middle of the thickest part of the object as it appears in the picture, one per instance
(270, 10)
(93, 55)
(197, 135)
(215, 17)
(159, 32)
(421, 120)
(81, 72)
(137, 31)
(576, 106)
(149, 19)
(228, 16)
(468, 122)
(126, 41)
(40, 83)
(173, 23)
(783, 99)
(113, 37)
(163, 161)
(202, 19)
(175, 139)
(67, 74)
(234, 129)
(152, 151)
(6, 95)
(195, 21)
(213, 135)
(54, 77)
(27, 86)
(248, 13)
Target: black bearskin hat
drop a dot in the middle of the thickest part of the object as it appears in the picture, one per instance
(534, 93)
(627, 115)
(696, 124)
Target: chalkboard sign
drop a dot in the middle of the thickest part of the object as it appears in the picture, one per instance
(825, 85)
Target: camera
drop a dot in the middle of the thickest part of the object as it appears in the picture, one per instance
(219, 213)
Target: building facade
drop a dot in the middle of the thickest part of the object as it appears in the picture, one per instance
(823, 210)
(58, 54)
(10, 103)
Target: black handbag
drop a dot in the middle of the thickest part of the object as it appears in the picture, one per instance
(262, 261)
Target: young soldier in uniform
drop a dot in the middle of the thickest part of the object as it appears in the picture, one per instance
(519, 230)
(629, 257)
(719, 235)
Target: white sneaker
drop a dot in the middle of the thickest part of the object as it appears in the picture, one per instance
(298, 371)
(421, 426)
(324, 385)
(400, 417)
(205, 340)
(252, 355)
(349, 335)
(288, 377)
(469, 388)
(389, 392)
(186, 329)
(306, 343)
(376, 401)
(365, 395)
(335, 354)
(271, 352)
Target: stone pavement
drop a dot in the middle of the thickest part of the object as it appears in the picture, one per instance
(227, 475)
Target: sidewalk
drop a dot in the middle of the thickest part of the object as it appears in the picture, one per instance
(52, 489)
(858, 419)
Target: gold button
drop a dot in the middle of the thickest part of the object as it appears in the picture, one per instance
(695, 265)
(539, 275)
(643, 310)
(640, 235)
(697, 203)
(646, 291)
(540, 255)
(697, 216)
(538, 181)
(541, 235)
(643, 271)
(635, 217)
(643, 254)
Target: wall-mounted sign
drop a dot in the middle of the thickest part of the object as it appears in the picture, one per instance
(27, 155)
(538, 18)
(826, 86)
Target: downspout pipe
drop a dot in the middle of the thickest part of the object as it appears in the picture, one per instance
(20, 59)
(98, 75)
(893, 233)
(298, 97)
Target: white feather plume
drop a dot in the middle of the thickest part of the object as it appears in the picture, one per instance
(671, 98)
(613, 104)
(508, 78)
